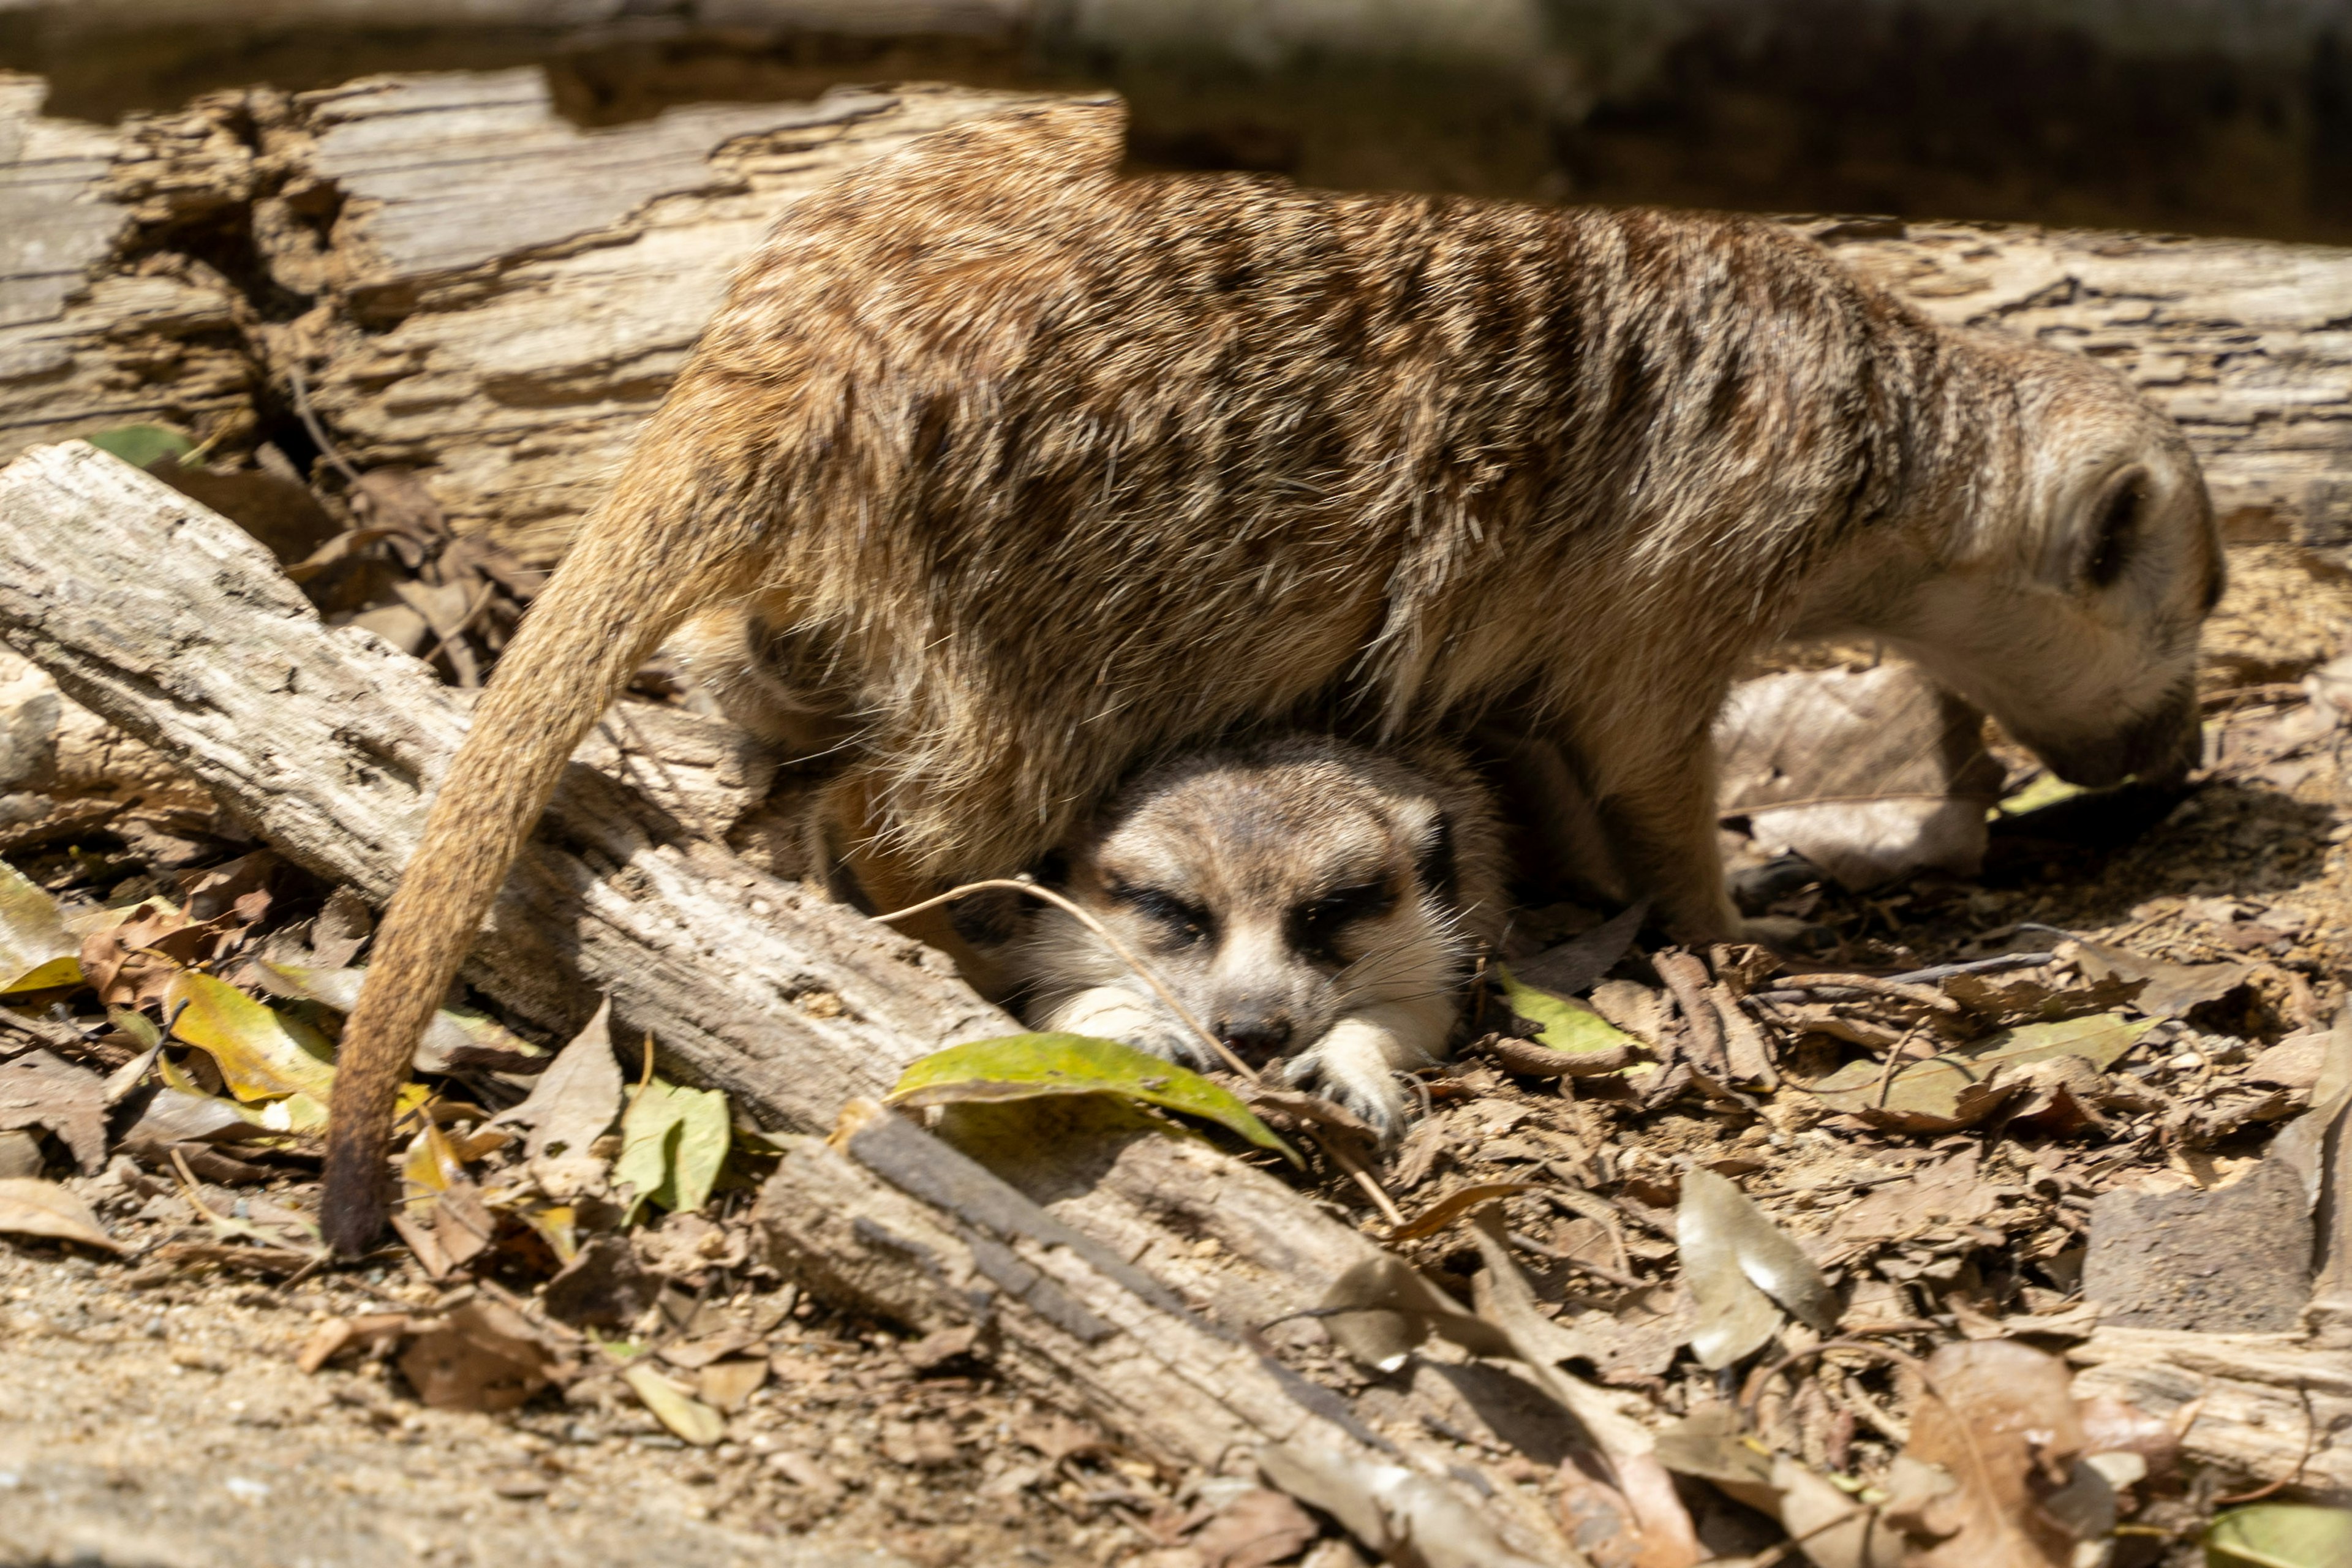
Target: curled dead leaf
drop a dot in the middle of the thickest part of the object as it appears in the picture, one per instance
(30, 1207)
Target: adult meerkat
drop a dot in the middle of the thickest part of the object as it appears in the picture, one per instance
(1318, 905)
(1025, 471)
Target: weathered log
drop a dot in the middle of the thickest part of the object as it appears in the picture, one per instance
(85, 342)
(900, 1224)
(174, 625)
(2270, 1408)
(168, 621)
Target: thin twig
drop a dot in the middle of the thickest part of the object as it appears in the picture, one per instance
(1143, 971)
(327, 447)
(1527, 1243)
(465, 624)
(1363, 1178)
(2310, 1441)
(1873, 985)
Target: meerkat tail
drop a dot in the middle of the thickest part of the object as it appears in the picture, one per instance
(620, 591)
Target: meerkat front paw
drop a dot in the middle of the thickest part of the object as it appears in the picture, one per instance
(1356, 1066)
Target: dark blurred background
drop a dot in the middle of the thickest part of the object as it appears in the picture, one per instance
(2198, 116)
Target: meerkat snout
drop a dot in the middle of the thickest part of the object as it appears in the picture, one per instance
(1318, 905)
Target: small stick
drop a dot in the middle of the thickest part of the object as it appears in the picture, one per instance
(1143, 971)
(465, 624)
(1363, 1178)
(1527, 1243)
(318, 432)
(1875, 984)
(1786, 991)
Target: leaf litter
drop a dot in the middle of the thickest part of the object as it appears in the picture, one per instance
(1928, 1165)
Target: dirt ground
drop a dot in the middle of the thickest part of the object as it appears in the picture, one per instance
(151, 1409)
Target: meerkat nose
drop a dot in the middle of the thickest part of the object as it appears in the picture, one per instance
(1259, 1035)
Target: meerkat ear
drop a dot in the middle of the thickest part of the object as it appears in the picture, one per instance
(2103, 522)
(1433, 860)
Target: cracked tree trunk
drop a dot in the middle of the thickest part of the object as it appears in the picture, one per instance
(1082, 1257)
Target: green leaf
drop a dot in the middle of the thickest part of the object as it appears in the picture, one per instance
(1567, 1024)
(1954, 1089)
(2045, 789)
(140, 445)
(37, 951)
(673, 1142)
(2281, 1535)
(1025, 1067)
(261, 1055)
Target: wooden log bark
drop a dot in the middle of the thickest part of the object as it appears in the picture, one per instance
(87, 342)
(167, 620)
(2266, 1407)
(170, 622)
(503, 298)
(904, 1225)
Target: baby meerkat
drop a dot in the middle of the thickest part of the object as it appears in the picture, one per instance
(1313, 902)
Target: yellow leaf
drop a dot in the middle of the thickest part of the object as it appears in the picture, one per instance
(1567, 1024)
(37, 951)
(673, 1142)
(259, 1054)
(675, 1409)
(1026, 1067)
(431, 1165)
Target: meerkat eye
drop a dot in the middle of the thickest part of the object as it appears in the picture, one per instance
(1316, 924)
(1183, 923)
(2118, 531)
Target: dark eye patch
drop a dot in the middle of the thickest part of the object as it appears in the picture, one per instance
(1185, 923)
(1316, 925)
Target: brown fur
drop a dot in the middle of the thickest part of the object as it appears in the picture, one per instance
(1309, 900)
(1027, 471)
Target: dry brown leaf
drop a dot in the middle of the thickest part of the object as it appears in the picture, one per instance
(1870, 774)
(483, 1356)
(2170, 990)
(695, 1354)
(1940, 1196)
(727, 1386)
(2036, 997)
(1380, 1308)
(1257, 1529)
(2000, 1420)
(941, 1346)
(1961, 1088)
(38, 1089)
(1058, 1438)
(1742, 1270)
(372, 1333)
(2058, 1096)
(1574, 965)
(675, 1409)
(1837, 1532)
(575, 1100)
(30, 1207)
